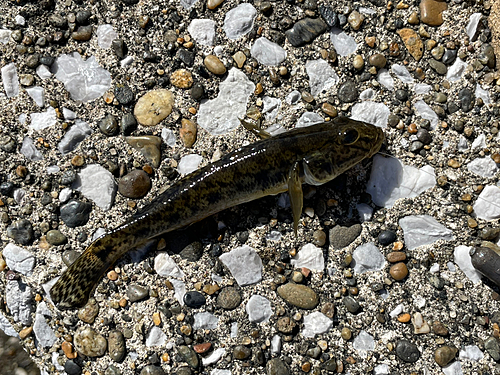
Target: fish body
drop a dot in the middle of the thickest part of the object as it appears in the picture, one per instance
(313, 155)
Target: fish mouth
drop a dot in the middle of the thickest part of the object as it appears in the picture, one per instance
(379, 140)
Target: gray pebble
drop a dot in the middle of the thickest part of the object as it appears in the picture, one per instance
(192, 252)
(348, 92)
(341, 237)
(116, 344)
(152, 370)
(71, 368)
(416, 146)
(229, 298)
(407, 351)
(128, 124)
(351, 304)
(465, 96)
(135, 184)
(305, 31)
(112, 370)
(7, 144)
(119, 48)
(449, 56)
(83, 16)
(57, 20)
(184, 370)
(328, 15)
(492, 347)
(55, 237)
(197, 91)
(21, 231)
(424, 136)
(69, 257)
(124, 95)
(438, 67)
(136, 293)
(189, 356)
(401, 95)
(108, 125)
(487, 56)
(241, 352)
(75, 213)
(89, 342)
(277, 367)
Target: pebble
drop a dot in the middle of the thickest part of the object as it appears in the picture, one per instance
(135, 184)
(492, 347)
(148, 146)
(398, 271)
(55, 237)
(21, 231)
(212, 4)
(305, 31)
(75, 213)
(137, 293)
(431, 12)
(192, 252)
(128, 123)
(116, 346)
(396, 256)
(182, 79)
(214, 65)
(465, 98)
(444, 355)
(241, 352)
(346, 333)
(355, 19)
(277, 367)
(348, 92)
(152, 370)
(153, 107)
(71, 368)
(285, 325)
(82, 34)
(188, 132)
(386, 237)
(328, 15)
(109, 126)
(351, 304)
(229, 298)
(299, 295)
(89, 342)
(449, 56)
(438, 67)
(341, 237)
(124, 95)
(194, 299)
(189, 356)
(407, 351)
(412, 42)
(89, 312)
(358, 62)
(329, 109)
(377, 60)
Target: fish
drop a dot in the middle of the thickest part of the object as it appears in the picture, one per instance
(312, 155)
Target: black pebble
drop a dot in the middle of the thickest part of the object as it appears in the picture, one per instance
(197, 91)
(72, 368)
(128, 124)
(21, 231)
(386, 237)
(194, 299)
(108, 125)
(124, 95)
(407, 351)
(75, 213)
(186, 56)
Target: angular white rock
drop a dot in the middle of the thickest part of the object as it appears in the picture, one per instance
(37, 93)
(454, 369)
(271, 107)
(189, 163)
(168, 136)
(396, 311)
(434, 268)
(462, 145)
(84, 80)
(65, 194)
(344, 44)
(43, 72)
(487, 206)
(43, 333)
(426, 112)
(368, 257)
(29, 150)
(5, 36)
(365, 212)
(308, 119)
(202, 31)
(97, 184)
(484, 167)
(42, 120)
(187, 4)
(274, 236)
(10, 80)
(385, 79)
(19, 259)
(179, 290)
(19, 301)
(293, 98)
(244, 264)
(221, 115)
(105, 35)
(22, 118)
(205, 320)
(68, 114)
(472, 25)
(126, 61)
(367, 94)
(382, 369)
(471, 353)
(390, 180)
(20, 20)
(316, 323)
(422, 88)
(6, 327)
(239, 21)
(402, 73)
(267, 53)
(214, 358)
(76, 134)
(483, 94)
(165, 266)
(258, 309)
(217, 371)
(456, 70)
(321, 76)
(373, 113)
(463, 260)
(422, 230)
(276, 344)
(155, 337)
(479, 142)
(364, 342)
(310, 257)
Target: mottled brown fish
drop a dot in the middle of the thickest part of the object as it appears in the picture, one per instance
(312, 155)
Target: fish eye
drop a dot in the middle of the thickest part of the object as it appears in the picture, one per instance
(350, 136)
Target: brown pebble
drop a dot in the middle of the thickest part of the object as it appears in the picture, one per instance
(370, 41)
(413, 19)
(77, 160)
(259, 88)
(25, 332)
(135, 184)
(412, 42)
(211, 289)
(214, 65)
(431, 12)
(212, 4)
(202, 348)
(346, 333)
(439, 328)
(412, 128)
(471, 222)
(496, 157)
(306, 366)
(454, 163)
(21, 171)
(377, 60)
(404, 318)
(329, 109)
(188, 132)
(445, 355)
(396, 256)
(328, 309)
(398, 245)
(182, 79)
(153, 107)
(112, 275)
(67, 348)
(399, 271)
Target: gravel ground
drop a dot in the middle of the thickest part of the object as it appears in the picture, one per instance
(133, 303)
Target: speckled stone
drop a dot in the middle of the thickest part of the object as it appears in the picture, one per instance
(412, 42)
(348, 92)
(89, 342)
(341, 237)
(285, 325)
(109, 126)
(445, 355)
(229, 298)
(241, 352)
(407, 351)
(124, 95)
(189, 356)
(153, 107)
(192, 252)
(182, 79)
(148, 146)
(277, 367)
(305, 31)
(55, 237)
(188, 132)
(89, 312)
(299, 295)
(116, 346)
(136, 293)
(135, 184)
(21, 231)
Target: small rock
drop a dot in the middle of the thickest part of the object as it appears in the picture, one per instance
(305, 31)
(21, 231)
(299, 295)
(348, 92)
(153, 107)
(407, 351)
(75, 213)
(89, 312)
(431, 12)
(229, 298)
(351, 304)
(136, 293)
(152, 369)
(399, 271)
(188, 132)
(439, 328)
(445, 355)
(189, 356)
(71, 368)
(149, 146)
(412, 42)
(387, 237)
(135, 184)
(89, 342)
(377, 60)
(396, 256)
(192, 252)
(194, 299)
(124, 95)
(214, 65)
(492, 347)
(438, 67)
(277, 367)
(241, 352)
(116, 346)
(341, 237)
(182, 79)
(83, 33)
(128, 124)
(355, 19)
(108, 125)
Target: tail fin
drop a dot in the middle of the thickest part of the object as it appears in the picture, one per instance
(74, 287)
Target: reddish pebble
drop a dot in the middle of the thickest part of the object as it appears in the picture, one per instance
(202, 348)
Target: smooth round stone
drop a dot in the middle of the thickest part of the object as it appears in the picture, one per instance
(21, 231)
(71, 368)
(449, 56)
(89, 312)
(305, 31)
(69, 256)
(182, 79)
(214, 65)
(438, 67)
(189, 356)
(136, 293)
(440, 97)
(431, 12)
(377, 60)
(416, 146)
(83, 16)
(445, 355)
(424, 136)
(55, 237)
(153, 107)
(241, 352)
(330, 365)
(108, 125)
(112, 370)
(407, 351)
(89, 342)
(116, 346)
(348, 92)
(33, 60)
(351, 304)
(188, 132)
(239, 58)
(358, 62)
(152, 370)
(299, 295)
(124, 95)
(135, 184)
(396, 256)
(487, 56)
(197, 91)
(26, 79)
(194, 299)
(192, 252)
(229, 298)
(212, 4)
(277, 367)
(398, 271)
(83, 33)
(319, 238)
(75, 213)
(437, 52)
(346, 333)
(386, 237)
(341, 237)
(128, 124)
(439, 328)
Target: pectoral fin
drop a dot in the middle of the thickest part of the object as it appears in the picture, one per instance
(255, 129)
(296, 196)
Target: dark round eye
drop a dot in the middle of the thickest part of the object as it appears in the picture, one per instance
(350, 136)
